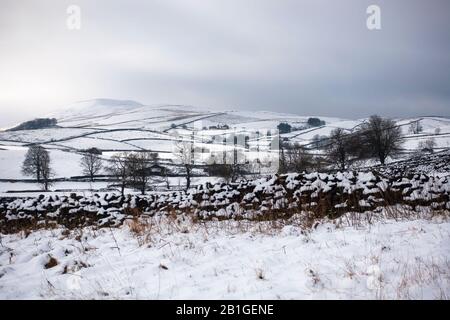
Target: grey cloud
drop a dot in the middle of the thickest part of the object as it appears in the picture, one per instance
(303, 56)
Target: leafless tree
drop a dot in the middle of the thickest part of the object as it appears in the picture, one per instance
(119, 168)
(319, 163)
(342, 148)
(415, 127)
(380, 138)
(228, 165)
(167, 181)
(297, 158)
(37, 164)
(316, 141)
(293, 158)
(285, 157)
(337, 148)
(139, 170)
(184, 155)
(91, 163)
(427, 145)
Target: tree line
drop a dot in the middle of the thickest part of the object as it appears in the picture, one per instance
(377, 138)
(130, 169)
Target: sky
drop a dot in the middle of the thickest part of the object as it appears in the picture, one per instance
(308, 57)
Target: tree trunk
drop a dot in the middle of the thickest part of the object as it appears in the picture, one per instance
(342, 162)
(382, 159)
(188, 177)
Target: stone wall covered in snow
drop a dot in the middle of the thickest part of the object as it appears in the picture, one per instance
(279, 196)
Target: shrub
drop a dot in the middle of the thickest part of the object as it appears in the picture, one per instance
(39, 123)
(315, 122)
(284, 127)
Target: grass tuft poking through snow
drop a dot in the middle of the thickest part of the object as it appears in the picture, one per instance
(52, 262)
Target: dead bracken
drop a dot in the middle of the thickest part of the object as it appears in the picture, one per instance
(52, 262)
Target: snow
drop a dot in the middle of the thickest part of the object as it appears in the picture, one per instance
(412, 142)
(225, 260)
(429, 124)
(65, 164)
(43, 135)
(87, 186)
(175, 258)
(92, 142)
(116, 125)
(63, 185)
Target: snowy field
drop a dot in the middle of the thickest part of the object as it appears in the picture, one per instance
(8, 189)
(114, 126)
(37, 189)
(64, 164)
(168, 259)
(162, 250)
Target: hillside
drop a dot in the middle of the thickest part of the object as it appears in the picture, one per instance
(123, 125)
(343, 236)
(370, 232)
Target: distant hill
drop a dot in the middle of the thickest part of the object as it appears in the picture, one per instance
(125, 125)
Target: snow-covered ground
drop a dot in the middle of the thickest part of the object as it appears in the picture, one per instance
(168, 259)
(163, 257)
(64, 164)
(114, 125)
(37, 188)
(8, 189)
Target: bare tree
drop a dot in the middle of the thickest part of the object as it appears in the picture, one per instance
(380, 138)
(427, 145)
(342, 148)
(47, 172)
(184, 155)
(283, 163)
(139, 170)
(293, 158)
(230, 165)
(415, 127)
(337, 149)
(316, 141)
(37, 164)
(91, 163)
(319, 163)
(166, 180)
(119, 168)
(297, 158)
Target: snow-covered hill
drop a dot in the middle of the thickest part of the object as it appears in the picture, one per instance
(381, 232)
(124, 125)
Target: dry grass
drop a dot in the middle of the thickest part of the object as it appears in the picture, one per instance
(315, 278)
(260, 274)
(52, 262)
(397, 213)
(151, 230)
(423, 274)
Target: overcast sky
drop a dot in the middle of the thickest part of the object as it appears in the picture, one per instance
(309, 57)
